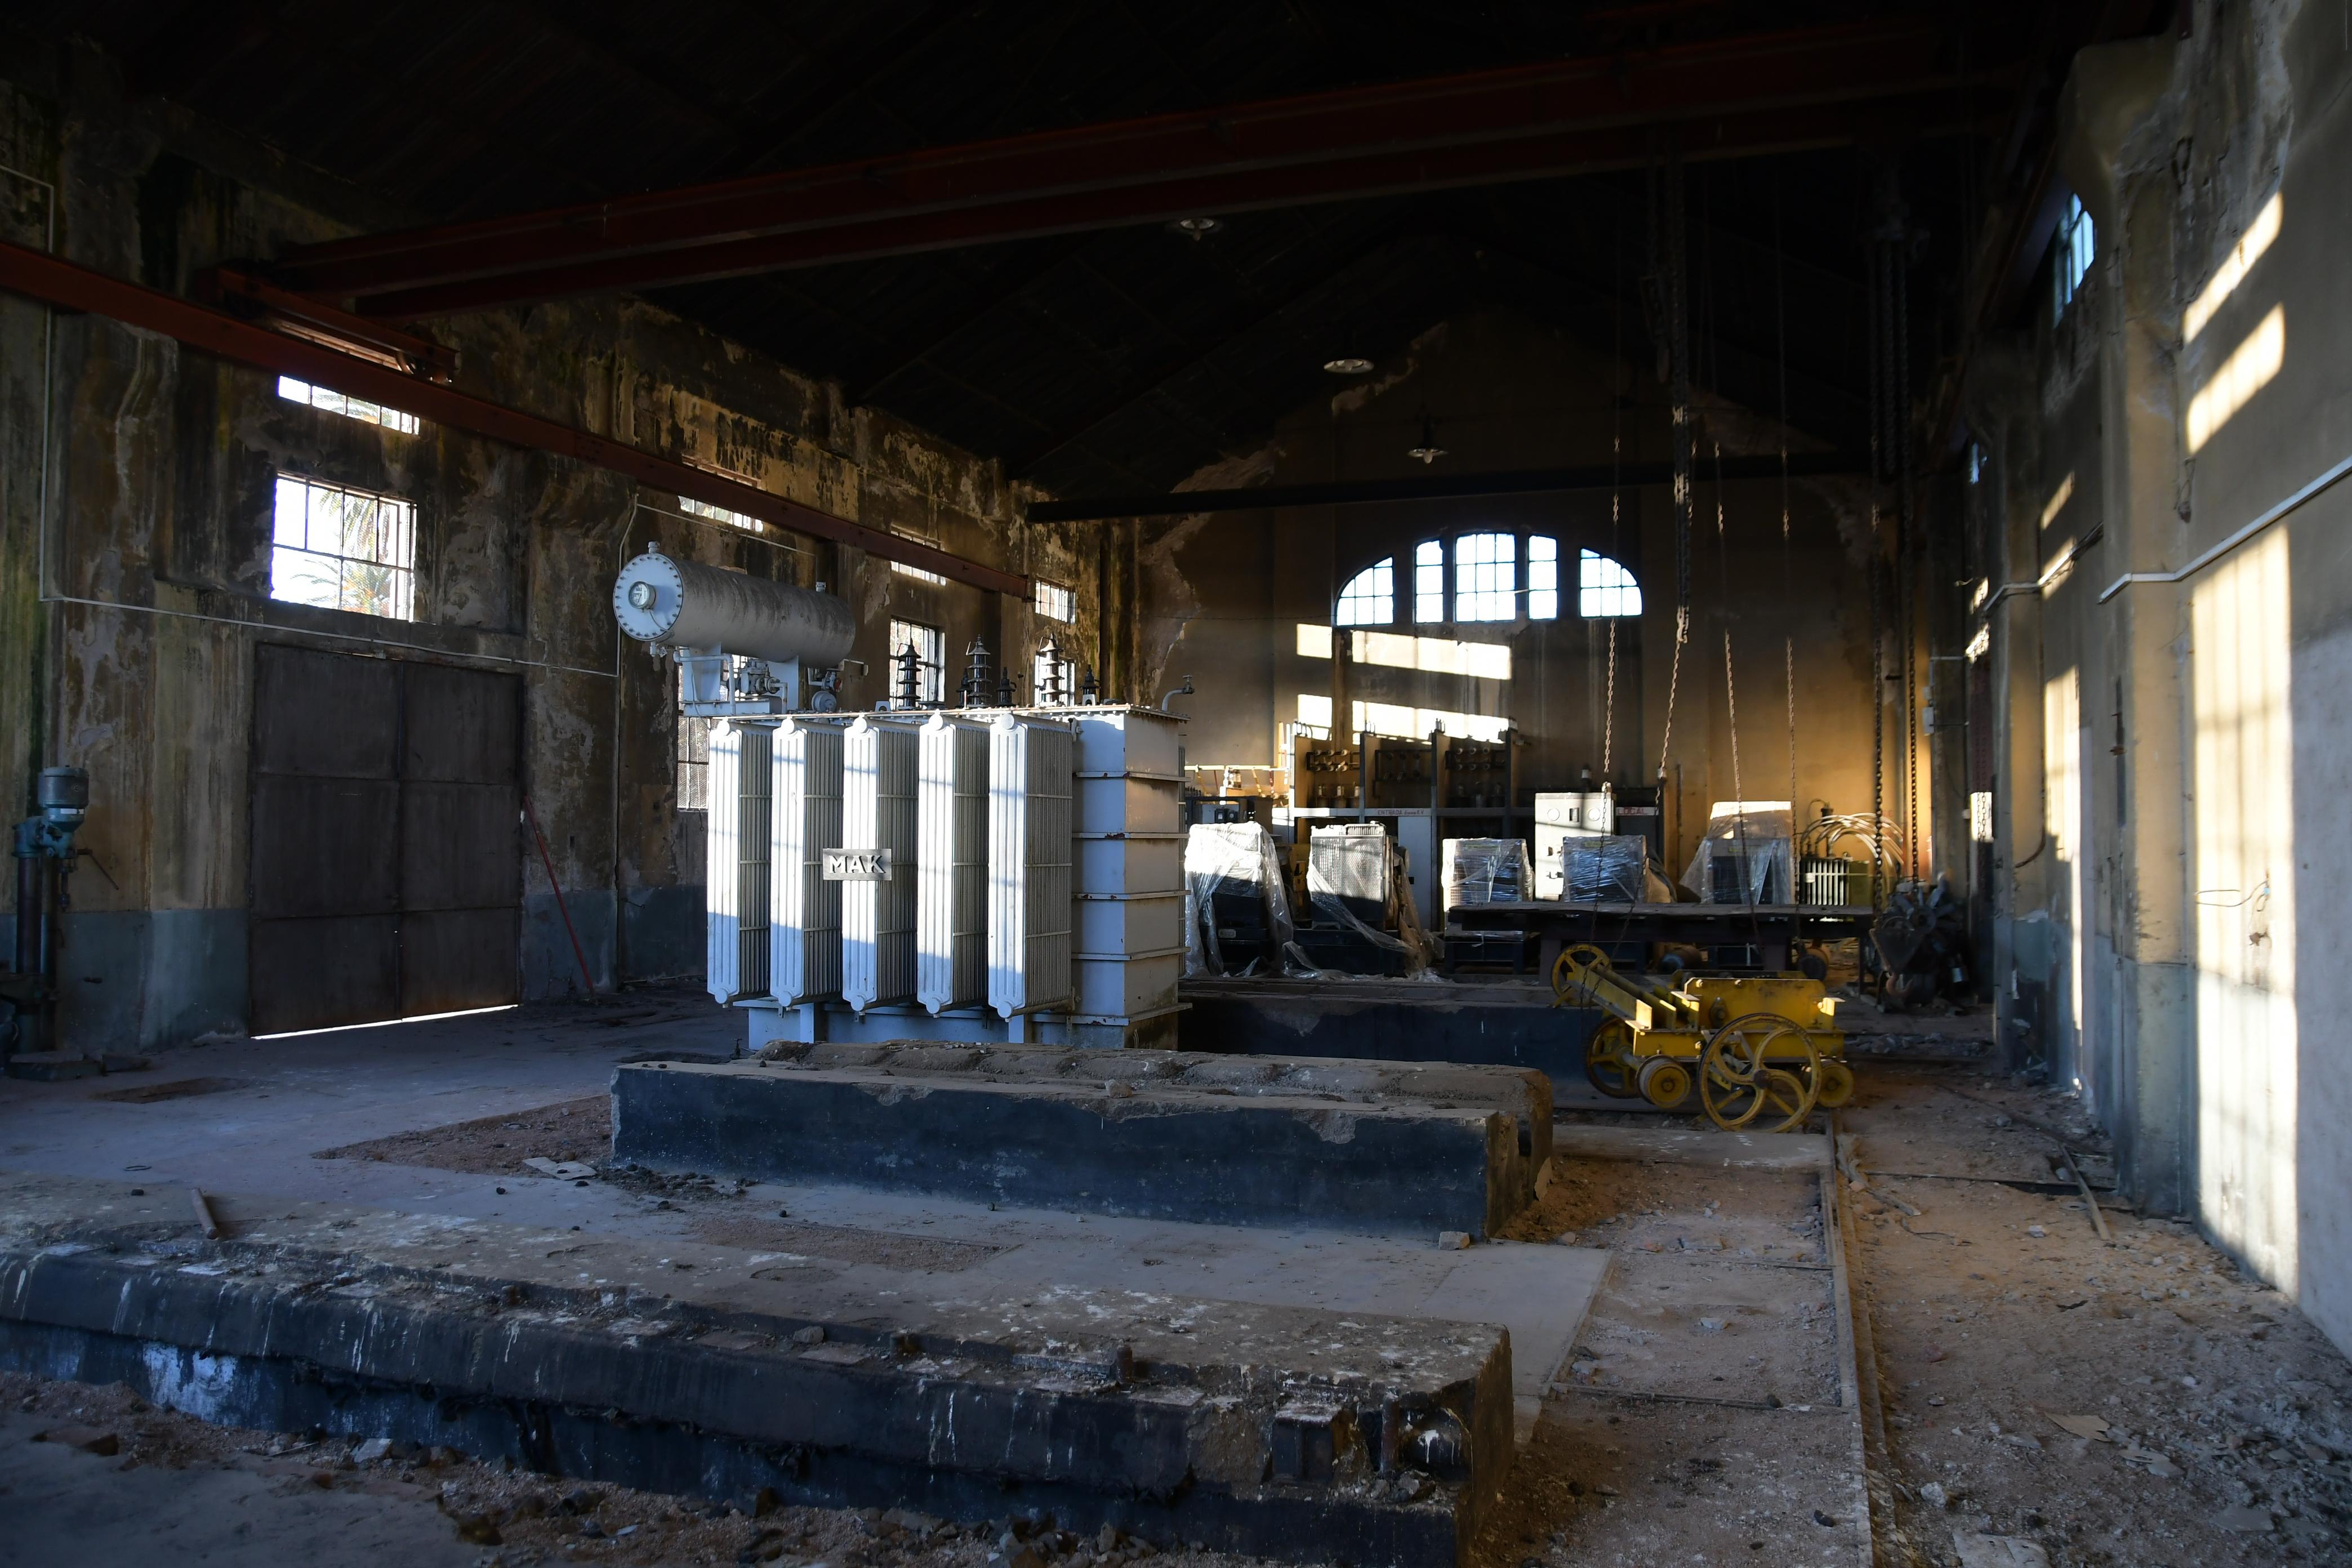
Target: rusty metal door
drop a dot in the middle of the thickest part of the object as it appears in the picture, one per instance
(386, 868)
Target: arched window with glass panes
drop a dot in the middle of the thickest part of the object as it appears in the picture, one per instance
(1484, 577)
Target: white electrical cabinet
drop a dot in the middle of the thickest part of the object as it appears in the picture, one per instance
(1029, 843)
(879, 768)
(1130, 789)
(735, 899)
(951, 864)
(804, 817)
(964, 873)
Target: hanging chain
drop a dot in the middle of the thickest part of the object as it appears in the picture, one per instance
(1730, 691)
(1876, 302)
(1679, 390)
(1788, 573)
(1608, 713)
(1666, 233)
(1907, 589)
(1616, 516)
(1673, 681)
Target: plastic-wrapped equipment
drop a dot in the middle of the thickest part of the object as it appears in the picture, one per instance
(1232, 880)
(1484, 872)
(1605, 868)
(1743, 857)
(1356, 878)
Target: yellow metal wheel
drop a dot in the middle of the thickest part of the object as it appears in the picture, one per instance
(1785, 1097)
(1609, 1062)
(1834, 1084)
(1758, 1066)
(1571, 965)
(1666, 1083)
(1732, 1103)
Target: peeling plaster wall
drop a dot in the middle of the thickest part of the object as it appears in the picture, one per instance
(1223, 592)
(2174, 872)
(138, 663)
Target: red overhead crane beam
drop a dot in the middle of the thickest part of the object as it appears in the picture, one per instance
(1735, 97)
(69, 286)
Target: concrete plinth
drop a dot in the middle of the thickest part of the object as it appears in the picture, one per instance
(1392, 1021)
(694, 1368)
(1361, 1146)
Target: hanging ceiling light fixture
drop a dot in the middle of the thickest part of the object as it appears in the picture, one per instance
(1429, 451)
(1349, 366)
(1195, 227)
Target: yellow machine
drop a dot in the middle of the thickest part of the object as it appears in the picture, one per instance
(1759, 1047)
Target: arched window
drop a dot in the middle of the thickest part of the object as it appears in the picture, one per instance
(1604, 588)
(1368, 598)
(1486, 577)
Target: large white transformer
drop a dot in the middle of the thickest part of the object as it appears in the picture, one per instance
(965, 874)
(961, 874)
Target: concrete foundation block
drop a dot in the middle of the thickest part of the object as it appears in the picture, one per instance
(1495, 1025)
(1152, 1134)
(672, 1366)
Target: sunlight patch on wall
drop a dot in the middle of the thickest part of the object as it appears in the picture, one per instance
(2252, 366)
(2063, 745)
(1401, 650)
(1437, 655)
(1415, 723)
(2058, 500)
(2244, 878)
(2233, 268)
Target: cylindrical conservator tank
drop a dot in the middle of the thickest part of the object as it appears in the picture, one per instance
(687, 605)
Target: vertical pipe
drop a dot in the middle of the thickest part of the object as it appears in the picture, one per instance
(30, 916)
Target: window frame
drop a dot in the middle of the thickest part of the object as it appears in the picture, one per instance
(1591, 579)
(1446, 590)
(1477, 590)
(932, 646)
(327, 400)
(743, 520)
(2072, 250)
(1037, 671)
(1432, 584)
(1382, 594)
(405, 520)
(693, 752)
(1541, 604)
(1041, 588)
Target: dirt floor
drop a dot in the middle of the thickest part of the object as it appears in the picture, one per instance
(2126, 1401)
(2135, 1401)
(572, 1130)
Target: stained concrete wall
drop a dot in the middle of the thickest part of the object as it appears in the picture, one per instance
(149, 497)
(2173, 728)
(1505, 393)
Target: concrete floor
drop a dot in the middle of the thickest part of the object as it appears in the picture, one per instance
(267, 1107)
(1711, 1332)
(66, 1506)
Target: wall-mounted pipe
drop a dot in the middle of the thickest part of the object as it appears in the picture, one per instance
(2235, 540)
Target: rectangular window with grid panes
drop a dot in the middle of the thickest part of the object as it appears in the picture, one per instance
(930, 647)
(1055, 602)
(342, 548)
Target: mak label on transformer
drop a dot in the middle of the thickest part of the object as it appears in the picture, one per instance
(856, 865)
